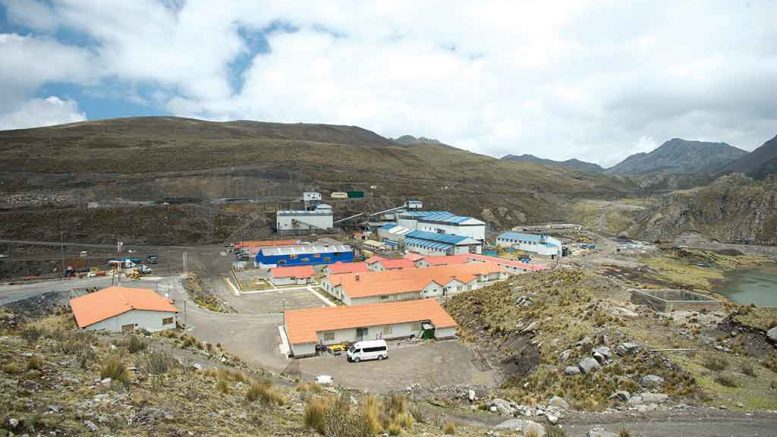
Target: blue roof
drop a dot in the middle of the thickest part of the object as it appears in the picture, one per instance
(427, 244)
(438, 216)
(438, 238)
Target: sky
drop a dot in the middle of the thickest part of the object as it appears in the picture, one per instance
(594, 80)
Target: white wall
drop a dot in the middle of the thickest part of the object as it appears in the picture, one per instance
(477, 232)
(148, 320)
(377, 299)
(288, 281)
(322, 221)
(444, 332)
(303, 349)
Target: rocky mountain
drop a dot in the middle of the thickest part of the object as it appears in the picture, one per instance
(174, 180)
(759, 163)
(569, 163)
(680, 156)
(409, 140)
(734, 208)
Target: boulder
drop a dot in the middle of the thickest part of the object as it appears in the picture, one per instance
(626, 349)
(91, 426)
(552, 418)
(601, 359)
(588, 365)
(523, 426)
(603, 351)
(565, 354)
(600, 432)
(13, 423)
(558, 402)
(635, 400)
(772, 334)
(621, 396)
(471, 395)
(572, 370)
(651, 381)
(533, 326)
(503, 407)
(654, 398)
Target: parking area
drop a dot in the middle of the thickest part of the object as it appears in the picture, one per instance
(429, 364)
(277, 300)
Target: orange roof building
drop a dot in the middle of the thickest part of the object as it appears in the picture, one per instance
(340, 268)
(380, 264)
(411, 283)
(291, 275)
(305, 328)
(124, 309)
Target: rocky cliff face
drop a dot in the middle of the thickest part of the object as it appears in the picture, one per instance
(734, 208)
(680, 156)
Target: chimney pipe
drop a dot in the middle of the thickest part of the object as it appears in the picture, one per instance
(357, 276)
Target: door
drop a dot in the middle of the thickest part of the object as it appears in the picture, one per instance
(361, 333)
(128, 329)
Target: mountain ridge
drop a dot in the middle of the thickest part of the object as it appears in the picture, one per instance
(678, 156)
(573, 163)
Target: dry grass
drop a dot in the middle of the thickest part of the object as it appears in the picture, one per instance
(114, 367)
(449, 428)
(264, 390)
(222, 386)
(34, 363)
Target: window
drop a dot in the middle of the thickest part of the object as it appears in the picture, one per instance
(327, 259)
(384, 297)
(167, 321)
(293, 256)
(281, 262)
(387, 330)
(329, 336)
(416, 326)
(374, 349)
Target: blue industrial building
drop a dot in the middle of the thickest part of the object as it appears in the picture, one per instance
(303, 255)
(539, 244)
(432, 243)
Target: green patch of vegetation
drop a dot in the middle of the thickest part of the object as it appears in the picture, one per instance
(202, 296)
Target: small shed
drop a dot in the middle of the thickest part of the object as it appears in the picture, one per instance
(121, 309)
(296, 275)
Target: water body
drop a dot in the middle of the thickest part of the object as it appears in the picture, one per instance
(758, 287)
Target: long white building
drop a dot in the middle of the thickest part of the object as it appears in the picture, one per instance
(539, 244)
(320, 218)
(443, 222)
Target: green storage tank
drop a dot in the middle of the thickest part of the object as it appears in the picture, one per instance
(355, 194)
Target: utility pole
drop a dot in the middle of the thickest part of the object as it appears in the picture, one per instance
(62, 246)
(185, 324)
(184, 262)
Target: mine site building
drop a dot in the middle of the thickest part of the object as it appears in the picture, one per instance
(303, 255)
(305, 329)
(411, 283)
(534, 243)
(393, 235)
(340, 268)
(432, 243)
(319, 219)
(121, 309)
(443, 222)
(510, 266)
(293, 275)
(380, 264)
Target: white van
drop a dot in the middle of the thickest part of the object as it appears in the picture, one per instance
(367, 350)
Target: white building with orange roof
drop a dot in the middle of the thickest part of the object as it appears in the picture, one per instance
(292, 275)
(307, 328)
(411, 283)
(121, 309)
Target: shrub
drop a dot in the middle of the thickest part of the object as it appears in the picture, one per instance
(222, 386)
(158, 363)
(136, 344)
(715, 364)
(335, 417)
(748, 369)
(554, 431)
(310, 386)
(31, 334)
(449, 428)
(266, 392)
(114, 368)
(726, 380)
(11, 368)
(624, 433)
(315, 412)
(34, 363)
(394, 429)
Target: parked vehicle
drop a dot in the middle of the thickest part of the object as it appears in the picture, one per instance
(152, 259)
(367, 350)
(324, 380)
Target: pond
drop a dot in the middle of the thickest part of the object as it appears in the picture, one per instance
(758, 287)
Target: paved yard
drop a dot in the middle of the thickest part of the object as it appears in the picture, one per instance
(430, 364)
(273, 301)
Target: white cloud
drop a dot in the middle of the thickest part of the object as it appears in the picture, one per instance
(42, 112)
(595, 80)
